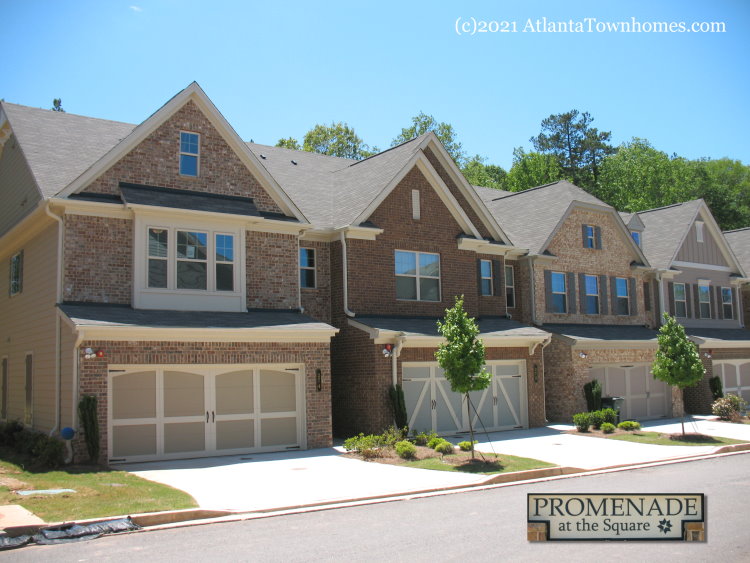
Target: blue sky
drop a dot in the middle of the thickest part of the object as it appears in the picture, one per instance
(274, 69)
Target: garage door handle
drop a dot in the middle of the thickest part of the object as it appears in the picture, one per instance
(206, 417)
(213, 416)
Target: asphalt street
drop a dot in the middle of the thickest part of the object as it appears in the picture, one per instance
(487, 525)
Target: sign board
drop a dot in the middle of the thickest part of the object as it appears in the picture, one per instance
(626, 516)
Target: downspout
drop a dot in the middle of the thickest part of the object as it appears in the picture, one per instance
(58, 324)
(659, 313)
(532, 287)
(299, 282)
(740, 306)
(345, 275)
(544, 383)
(394, 357)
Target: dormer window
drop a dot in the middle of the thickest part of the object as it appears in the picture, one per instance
(189, 153)
(592, 237)
(636, 237)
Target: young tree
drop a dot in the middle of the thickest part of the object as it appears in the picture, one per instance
(462, 355)
(677, 360)
(422, 123)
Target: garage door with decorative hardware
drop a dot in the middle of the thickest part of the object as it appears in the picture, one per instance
(431, 405)
(165, 412)
(735, 377)
(645, 396)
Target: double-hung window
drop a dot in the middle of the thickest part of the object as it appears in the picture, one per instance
(680, 301)
(189, 153)
(307, 267)
(622, 296)
(704, 299)
(559, 293)
(589, 236)
(636, 236)
(592, 295)
(16, 273)
(485, 272)
(417, 276)
(190, 259)
(510, 288)
(726, 303)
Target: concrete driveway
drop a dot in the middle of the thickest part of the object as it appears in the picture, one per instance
(258, 482)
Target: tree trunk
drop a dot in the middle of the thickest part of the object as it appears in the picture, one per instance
(471, 429)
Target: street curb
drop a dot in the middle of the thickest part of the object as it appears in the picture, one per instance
(153, 521)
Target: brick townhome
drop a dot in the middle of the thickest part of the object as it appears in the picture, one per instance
(155, 266)
(396, 238)
(589, 286)
(739, 242)
(699, 282)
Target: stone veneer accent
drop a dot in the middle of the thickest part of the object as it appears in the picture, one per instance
(98, 259)
(155, 162)
(93, 374)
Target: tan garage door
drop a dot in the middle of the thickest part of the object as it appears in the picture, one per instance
(166, 412)
(645, 397)
(735, 377)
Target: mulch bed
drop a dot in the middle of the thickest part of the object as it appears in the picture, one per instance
(458, 458)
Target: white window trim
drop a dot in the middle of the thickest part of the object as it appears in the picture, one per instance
(563, 292)
(597, 294)
(417, 276)
(627, 297)
(314, 268)
(704, 283)
(15, 283)
(699, 231)
(512, 287)
(196, 155)
(723, 304)
(209, 299)
(482, 278)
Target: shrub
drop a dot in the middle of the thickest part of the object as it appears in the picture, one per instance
(434, 441)
(596, 418)
(87, 413)
(444, 447)
(717, 389)
(582, 420)
(608, 427)
(593, 393)
(422, 438)
(728, 406)
(396, 393)
(367, 446)
(406, 450)
(629, 425)
(610, 416)
(41, 452)
(392, 435)
(466, 446)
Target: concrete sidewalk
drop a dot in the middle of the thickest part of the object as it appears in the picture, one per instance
(262, 482)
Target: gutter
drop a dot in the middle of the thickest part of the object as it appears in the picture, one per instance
(532, 289)
(394, 357)
(58, 326)
(299, 283)
(345, 272)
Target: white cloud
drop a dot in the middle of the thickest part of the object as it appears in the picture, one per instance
(136, 8)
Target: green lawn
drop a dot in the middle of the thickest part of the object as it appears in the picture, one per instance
(98, 493)
(663, 440)
(494, 463)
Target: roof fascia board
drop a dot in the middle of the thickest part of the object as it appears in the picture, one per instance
(23, 231)
(712, 343)
(264, 334)
(476, 203)
(94, 208)
(591, 344)
(482, 246)
(195, 93)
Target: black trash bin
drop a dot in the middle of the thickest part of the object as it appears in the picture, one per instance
(613, 403)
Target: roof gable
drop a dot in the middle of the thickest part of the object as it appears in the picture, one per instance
(739, 242)
(195, 95)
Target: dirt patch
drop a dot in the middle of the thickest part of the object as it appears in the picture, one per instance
(13, 484)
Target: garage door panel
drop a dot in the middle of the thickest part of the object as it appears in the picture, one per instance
(645, 397)
(509, 401)
(735, 377)
(134, 395)
(184, 394)
(278, 392)
(484, 403)
(235, 434)
(745, 375)
(184, 437)
(134, 440)
(448, 407)
(614, 384)
(234, 393)
(278, 431)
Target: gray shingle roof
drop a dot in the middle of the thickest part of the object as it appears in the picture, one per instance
(183, 199)
(59, 146)
(101, 315)
(333, 191)
(665, 230)
(427, 326)
(529, 217)
(609, 333)
(739, 241)
(725, 334)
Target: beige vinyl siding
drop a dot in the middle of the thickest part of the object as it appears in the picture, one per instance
(706, 252)
(67, 395)
(20, 194)
(28, 326)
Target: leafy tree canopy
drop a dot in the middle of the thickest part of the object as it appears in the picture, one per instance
(422, 123)
(337, 139)
(57, 105)
(677, 361)
(478, 173)
(531, 169)
(289, 143)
